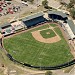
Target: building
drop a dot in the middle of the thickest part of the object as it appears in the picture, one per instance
(18, 25)
(72, 25)
(6, 29)
(33, 20)
(57, 15)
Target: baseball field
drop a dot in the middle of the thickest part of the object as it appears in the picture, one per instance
(41, 46)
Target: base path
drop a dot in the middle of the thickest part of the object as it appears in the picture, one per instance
(38, 37)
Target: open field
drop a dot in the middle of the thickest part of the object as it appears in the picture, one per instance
(25, 48)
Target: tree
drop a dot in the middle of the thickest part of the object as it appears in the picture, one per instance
(70, 5)
(48, 73)
(72, 1)
(72, 12)
(45, 3)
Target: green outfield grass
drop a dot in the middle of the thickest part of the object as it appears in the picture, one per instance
(25, 48)
(53, 25)
(48, 33)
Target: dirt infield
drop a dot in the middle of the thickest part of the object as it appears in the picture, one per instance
(38, 37)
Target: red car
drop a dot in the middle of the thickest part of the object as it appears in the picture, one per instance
(0, 9)
(10, 10)
(1, 3)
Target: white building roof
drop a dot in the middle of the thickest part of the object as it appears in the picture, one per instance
(69, 31)
(17, 25)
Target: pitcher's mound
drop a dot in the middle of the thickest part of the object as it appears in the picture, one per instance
(48, 33)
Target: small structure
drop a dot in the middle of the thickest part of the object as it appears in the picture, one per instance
(18, 25)
(57, 15)
(34, 19)
(6, 29)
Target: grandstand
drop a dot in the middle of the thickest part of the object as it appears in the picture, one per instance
(18, 25)
(57, 15)
(72, 26)
(62, 19)
(38, 18)
(33, 20)
(6, 29)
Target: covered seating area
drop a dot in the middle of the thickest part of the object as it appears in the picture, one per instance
(72, 25)
(33, 20)
(18, 25)
(57, 15)
(6, 29)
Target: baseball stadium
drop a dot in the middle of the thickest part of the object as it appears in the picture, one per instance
(40, 41)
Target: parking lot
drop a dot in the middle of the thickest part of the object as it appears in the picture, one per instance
(10, 7)
(14, 9)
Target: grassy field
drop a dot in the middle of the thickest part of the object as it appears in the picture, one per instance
(26, 49)
(53, 25)
(48, 33)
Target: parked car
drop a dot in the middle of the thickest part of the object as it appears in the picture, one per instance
(8, 3)
(1, 9)
(0, 15)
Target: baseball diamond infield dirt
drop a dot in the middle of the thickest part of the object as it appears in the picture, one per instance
(38, 37)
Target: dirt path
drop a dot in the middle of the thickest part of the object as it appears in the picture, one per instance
(31, 71)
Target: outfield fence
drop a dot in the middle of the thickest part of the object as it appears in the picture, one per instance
(67, 64)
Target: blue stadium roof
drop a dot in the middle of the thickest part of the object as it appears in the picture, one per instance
(58, 13)
(33, 16)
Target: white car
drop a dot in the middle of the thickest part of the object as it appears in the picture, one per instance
(25, 3)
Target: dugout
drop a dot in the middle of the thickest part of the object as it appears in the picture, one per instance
(57, 15)
(33, 20)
